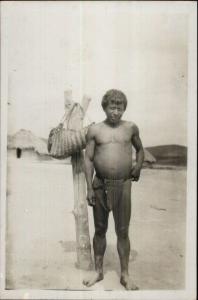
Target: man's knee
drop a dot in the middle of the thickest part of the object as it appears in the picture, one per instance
(122, 233)
(100, 229)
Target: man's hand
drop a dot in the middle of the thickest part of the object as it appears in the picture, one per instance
(91, 197)
(135, 173)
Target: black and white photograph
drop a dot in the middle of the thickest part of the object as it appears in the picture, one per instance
(98, 150)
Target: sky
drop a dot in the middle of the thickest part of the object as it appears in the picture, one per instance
(91, 48)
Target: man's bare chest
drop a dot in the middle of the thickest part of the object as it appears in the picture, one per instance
(121, 135)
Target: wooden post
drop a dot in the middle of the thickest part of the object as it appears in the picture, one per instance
(83, 246)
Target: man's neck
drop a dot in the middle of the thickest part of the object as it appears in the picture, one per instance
(113, 125)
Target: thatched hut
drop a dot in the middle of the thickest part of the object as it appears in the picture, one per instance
(25, 144)
(149, 159)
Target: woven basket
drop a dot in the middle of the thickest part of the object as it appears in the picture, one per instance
(64, 142)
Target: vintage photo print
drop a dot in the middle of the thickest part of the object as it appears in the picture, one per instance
(98, 150)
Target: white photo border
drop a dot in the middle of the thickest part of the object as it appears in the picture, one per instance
(189, 293)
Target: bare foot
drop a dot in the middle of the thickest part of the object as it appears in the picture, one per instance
(127, 283)
(95, 278)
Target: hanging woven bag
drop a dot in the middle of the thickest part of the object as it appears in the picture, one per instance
(63, 142)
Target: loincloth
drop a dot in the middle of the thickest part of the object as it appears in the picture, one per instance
(109, 192)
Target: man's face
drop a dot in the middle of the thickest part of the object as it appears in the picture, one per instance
(114, 112)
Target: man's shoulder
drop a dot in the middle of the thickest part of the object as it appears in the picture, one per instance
(96, 126)
(131, 125)
(93, 129)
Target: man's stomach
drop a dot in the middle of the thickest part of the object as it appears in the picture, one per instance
(113, 161)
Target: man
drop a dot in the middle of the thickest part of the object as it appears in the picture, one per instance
(109, 153)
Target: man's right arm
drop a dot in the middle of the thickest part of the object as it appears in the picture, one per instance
(89, 167)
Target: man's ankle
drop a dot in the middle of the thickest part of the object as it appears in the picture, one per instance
(125, 274)
(99, 264)
(99, 271)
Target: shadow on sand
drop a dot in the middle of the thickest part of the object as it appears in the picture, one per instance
(111, 258)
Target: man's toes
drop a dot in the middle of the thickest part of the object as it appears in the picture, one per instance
(132, 287)
(128, 284)
(85, 282)
(135, 288)
(89, 284)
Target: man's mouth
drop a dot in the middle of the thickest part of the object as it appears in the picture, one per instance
(114, 118)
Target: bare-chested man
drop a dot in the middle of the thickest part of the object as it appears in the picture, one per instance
(109, 153)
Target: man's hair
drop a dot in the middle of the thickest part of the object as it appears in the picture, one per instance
(114, 96)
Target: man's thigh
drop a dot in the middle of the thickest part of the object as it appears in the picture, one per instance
(100, 213)
(122, 209)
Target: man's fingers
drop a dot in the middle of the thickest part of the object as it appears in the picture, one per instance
(91, 201)
(134, 175)
(135, 178)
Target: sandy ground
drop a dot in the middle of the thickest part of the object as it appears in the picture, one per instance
(41, 230)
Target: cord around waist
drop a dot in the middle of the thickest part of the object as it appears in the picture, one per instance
(112, 180)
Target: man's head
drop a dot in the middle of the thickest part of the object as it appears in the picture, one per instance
(114, 103)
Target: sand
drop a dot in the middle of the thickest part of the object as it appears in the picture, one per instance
(41, 230)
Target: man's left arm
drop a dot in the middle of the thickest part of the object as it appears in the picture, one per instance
(137, 143)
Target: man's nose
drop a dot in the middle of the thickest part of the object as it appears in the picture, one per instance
(115, 112)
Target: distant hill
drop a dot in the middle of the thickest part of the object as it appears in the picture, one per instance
(169, 154)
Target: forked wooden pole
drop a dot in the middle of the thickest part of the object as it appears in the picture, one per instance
(83, 246)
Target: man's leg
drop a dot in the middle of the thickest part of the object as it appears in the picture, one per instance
(122, 215)
(99, 241)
